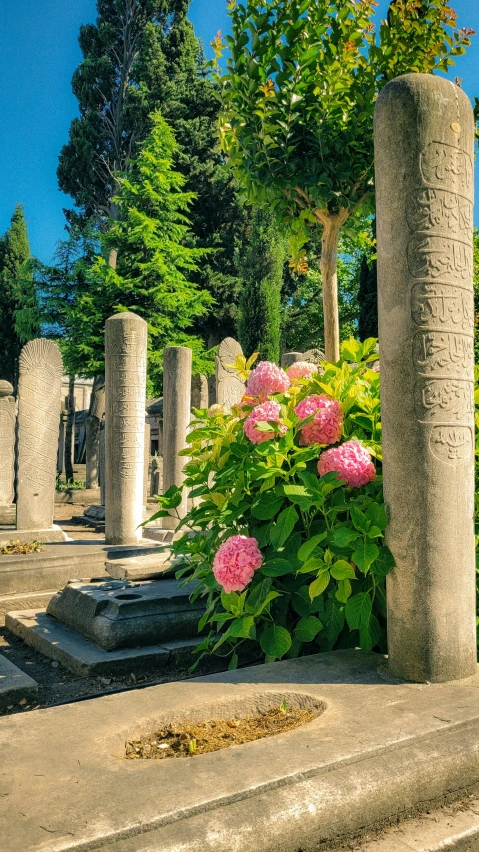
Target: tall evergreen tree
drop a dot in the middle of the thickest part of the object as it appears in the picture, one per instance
(261, 275)
(19, 312)
(141, 56)
(150, 277)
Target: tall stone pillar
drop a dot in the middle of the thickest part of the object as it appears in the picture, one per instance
(199, 391)
(39, 397)
(102, 463)
(176, 418)
(8, 416)
(125, 397)
(146, 471)
(290, 358)
(93, 426)
(424, 138)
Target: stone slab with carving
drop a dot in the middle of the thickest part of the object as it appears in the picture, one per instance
(229, 388)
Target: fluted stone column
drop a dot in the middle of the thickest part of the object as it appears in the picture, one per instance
(289, 358)
(176, 418)
(125, 396)
(424, 138)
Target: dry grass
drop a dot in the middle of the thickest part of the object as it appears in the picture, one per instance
(191, 739)
(14, 547)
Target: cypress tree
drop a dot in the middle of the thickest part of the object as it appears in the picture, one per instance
(19, 312)
(261, 271)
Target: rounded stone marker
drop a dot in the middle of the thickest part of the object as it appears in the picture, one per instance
(177, 361)
(125, 396)
(289, 358)
(424, 191)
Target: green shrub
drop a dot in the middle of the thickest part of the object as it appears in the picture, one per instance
(321, 584)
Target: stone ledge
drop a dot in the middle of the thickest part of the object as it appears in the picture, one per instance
(53, 534)
(15, 685)
(379, 749)
(82, 657)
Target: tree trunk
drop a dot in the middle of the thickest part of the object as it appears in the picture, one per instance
(70, 431)
(329, 275)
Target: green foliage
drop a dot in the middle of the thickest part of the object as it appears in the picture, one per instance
(299, 88)
(19, 311)
(153, 262)
(321, 584)
(368, 292)
(261, 274)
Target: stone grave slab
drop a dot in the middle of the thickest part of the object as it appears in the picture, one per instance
(52, 534)
(82, 657)
(141, 568)
(15, 685)
(379, 748)
(118, 614)
(8, 515)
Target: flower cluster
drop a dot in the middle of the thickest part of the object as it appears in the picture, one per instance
(235, 562)
(351, 461)
(301, 370)
(267, 412)
(216, 410)
(327, 425)
(266, 379)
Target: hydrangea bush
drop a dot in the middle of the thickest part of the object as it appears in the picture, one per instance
(288, 547)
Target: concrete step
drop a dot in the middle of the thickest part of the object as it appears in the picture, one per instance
(25, 600)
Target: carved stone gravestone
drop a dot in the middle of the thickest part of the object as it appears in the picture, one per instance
(199, 392)
(289, 358)
(424, 149)
(176, 419)
(8, 413)
(39, 400)
(229, 388)
(125, 397)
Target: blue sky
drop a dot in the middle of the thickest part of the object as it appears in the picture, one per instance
(38, 54)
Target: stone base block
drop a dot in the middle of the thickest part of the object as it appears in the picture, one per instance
(8, 514)
(54, 533)
(46, 635)
(118, 614)
(27, 600)
(141, 567)
(78, 496)
(15, 685)
(379, 749)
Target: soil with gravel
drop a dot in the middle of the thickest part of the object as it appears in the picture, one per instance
(191, 739)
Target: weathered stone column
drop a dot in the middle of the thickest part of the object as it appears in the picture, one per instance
(102, 463)
(146, 470)
(290, 358)
(93, 425)
(125, 397)
(8, 416)
(424, 137)
(176, 418)
(199, 391)
(39, 396)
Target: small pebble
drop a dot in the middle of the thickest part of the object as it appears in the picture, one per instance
(23, 701)
(105, 681)
(55, 664)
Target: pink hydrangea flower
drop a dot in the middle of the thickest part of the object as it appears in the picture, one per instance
(244, 406)
(266, 412)
(266, 379)
(351, 461)
(301, 370)
(328, 420)
(216, 410)
(235, 562)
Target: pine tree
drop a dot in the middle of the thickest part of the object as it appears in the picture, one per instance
(153, 263)
(141, 56)
(19, 312)
(261, 270)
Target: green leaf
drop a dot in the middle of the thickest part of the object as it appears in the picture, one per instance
(364, 555)
(358, 610)
(277, 568)
(308, 628)
(318, 586)
(233, 663)
(284, 526)
(342, 536)
(307, 548)
(231, 602)
(359, 519)
(242, 627)
(369, 633)
(384, 563)
(343, 592)
(267, 507)
(275, 641)
(301, 601)
(257, 596)
(342, 570)
(377, 515)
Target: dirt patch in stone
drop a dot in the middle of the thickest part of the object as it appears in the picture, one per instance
(191, 739)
